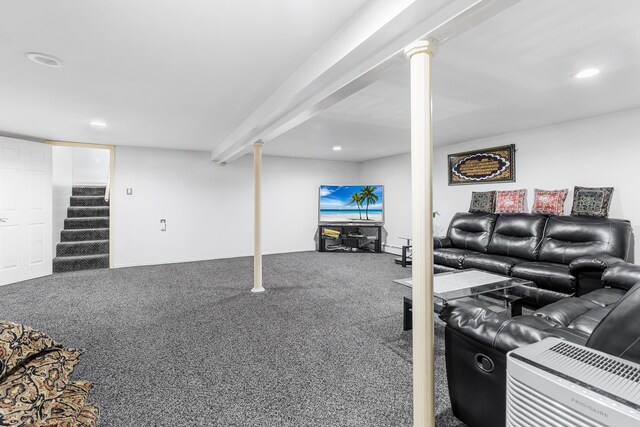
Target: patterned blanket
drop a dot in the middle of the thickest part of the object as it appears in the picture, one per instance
(35, 381)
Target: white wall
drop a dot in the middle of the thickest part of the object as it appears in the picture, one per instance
(62, 172)
(209, 208)
(90, 166)
(600, 151)
(395, 174)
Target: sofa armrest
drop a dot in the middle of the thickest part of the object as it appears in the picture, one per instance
(492, 329)
(441, 242)
(594, 263)
(621, 275)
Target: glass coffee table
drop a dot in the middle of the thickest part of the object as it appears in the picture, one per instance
(472, 283)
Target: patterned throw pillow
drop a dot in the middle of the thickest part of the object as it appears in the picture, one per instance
(483, 202)
(593, 201)
(549, 202)
(510, 201)
(18, 343)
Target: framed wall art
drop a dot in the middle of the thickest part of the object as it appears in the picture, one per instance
(497, 164)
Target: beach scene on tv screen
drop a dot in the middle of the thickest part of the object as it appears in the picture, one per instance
(351, 203)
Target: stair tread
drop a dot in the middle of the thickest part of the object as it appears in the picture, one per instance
(87, 229)
(79, 242)
(89, 217)
(70, 257)
(88, 201)
(90, 210)
(68, 263)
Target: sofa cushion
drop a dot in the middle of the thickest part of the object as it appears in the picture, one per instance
(450, 257)
(488, 262)
(604, 296)
(540, 297)
(588, 321)
(546, 275)
(565, 311)
(471, 230)
(518, 235)
(567, 238)
(573, 335)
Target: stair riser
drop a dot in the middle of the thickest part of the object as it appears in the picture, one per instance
(80, 235)
(73, 264)
(88, 191)
(76, 223)
(81, 248)
(82, 212)
(77, 201)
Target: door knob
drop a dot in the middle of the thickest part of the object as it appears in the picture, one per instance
(4, 219)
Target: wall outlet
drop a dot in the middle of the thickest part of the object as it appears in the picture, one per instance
(129, 191)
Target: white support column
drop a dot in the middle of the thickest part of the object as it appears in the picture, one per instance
(420, 54)
(257, 217)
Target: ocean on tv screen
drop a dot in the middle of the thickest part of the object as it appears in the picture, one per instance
(349, 203)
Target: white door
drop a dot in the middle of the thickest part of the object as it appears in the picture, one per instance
(25, 210)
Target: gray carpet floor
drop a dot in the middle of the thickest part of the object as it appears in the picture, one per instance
(189, 345)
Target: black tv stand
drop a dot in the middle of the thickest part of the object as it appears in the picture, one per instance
(350, 238)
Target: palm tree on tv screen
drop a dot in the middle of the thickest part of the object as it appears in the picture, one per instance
(357, 199)
(368, 195)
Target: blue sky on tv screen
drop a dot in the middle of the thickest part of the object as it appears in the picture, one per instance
(337, 197)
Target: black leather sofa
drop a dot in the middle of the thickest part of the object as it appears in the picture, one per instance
(563, 255)
(477, 339)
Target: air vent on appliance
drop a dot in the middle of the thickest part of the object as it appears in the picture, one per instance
(555, 382)
(605, 363)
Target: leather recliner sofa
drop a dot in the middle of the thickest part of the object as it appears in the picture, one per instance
(563, 255)
(477, 339)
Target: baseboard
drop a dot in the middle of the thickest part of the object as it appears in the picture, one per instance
(184, 261)
(393, 251)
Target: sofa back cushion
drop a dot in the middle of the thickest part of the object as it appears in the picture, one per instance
(518, 235)
(567, 238)
(618, 333)
(471, 230)
(621, 276)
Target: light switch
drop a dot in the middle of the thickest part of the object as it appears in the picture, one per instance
(163, 225)
(129, 191)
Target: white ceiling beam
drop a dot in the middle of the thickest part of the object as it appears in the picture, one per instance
(370, 46)
(310, 75)
(21, 136)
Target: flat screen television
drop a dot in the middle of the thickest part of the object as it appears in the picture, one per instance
(351, 204)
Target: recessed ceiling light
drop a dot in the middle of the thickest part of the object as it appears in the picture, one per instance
(589, 72)
(337, 148)
(44, 59)
(98, 124)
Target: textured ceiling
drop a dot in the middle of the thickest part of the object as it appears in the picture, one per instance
(510, 73)
(161, 73)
